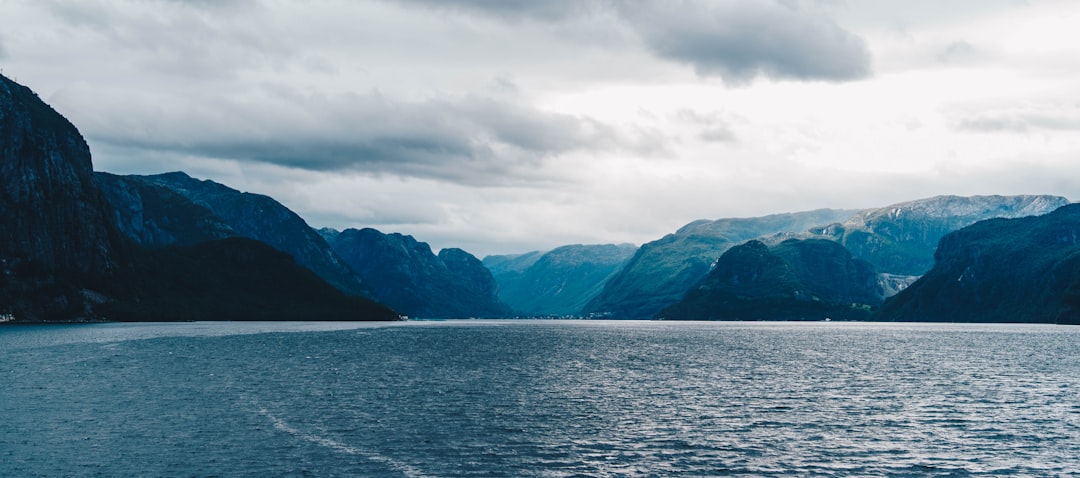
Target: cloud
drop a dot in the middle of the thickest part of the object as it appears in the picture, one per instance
(3, 52)
(548, 10)
(737, 40)
(714, 127)
(740, 41)
(469, 139)
(196, 39)
(960, 52)
(1021, 122)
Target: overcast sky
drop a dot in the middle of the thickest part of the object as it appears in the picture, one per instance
(508, 126)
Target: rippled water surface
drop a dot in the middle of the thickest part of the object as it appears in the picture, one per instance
(543, 398)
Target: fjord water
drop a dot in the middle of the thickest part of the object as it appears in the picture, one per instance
(539, 398)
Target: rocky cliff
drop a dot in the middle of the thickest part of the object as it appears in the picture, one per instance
(796, 280)
(406, 275)
(1000, 270)
(59, 246)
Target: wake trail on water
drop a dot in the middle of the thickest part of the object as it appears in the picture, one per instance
(279, 424)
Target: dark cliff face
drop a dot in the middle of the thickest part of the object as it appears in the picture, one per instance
(901, 238)
(406, 275)
(795, 280)
(1000, 270)
(662, 271)
(559, 282)
(150, 211)
(58, 243)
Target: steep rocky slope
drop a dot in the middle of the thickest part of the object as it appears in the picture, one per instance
(59, 246)
(1000, 270)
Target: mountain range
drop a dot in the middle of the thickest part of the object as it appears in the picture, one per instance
(811, 279)
(406, 275)
(64, 256)
(661, 271)
(79, 245)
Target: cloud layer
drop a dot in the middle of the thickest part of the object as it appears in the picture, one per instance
(740, 41)
(502, 126)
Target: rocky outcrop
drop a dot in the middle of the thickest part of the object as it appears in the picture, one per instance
(1000, 270)
(406, 275)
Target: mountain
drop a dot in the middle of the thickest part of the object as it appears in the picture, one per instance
(809, 279)
(1000, 270)
(901, 238)
(233, 279)
(63, 256)
(149, 213)
(511, 264)
(59, 246)
(560, 282)
(156, 216)
(660, 272)
(406, 275)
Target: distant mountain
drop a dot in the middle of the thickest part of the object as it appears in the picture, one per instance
(660, 272)
(63, 256)
(152, 210)
(511, 264)
(1000, 270)
(406, 275)
(795, 280)
(560, 282)
(901, 238)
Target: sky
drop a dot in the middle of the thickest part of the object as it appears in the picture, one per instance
(508, 126)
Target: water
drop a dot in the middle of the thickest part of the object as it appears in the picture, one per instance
(539, 399)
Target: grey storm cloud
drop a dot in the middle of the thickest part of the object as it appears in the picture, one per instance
(734, 39)
(471, 139)
(739, 41)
